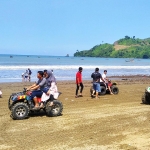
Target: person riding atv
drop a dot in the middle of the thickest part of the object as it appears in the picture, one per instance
(106, 87)
(107, 81)
(21, 105)
(43, 85)
(37, 88)
(27, 101)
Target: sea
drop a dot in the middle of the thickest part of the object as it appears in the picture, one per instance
(65, 68)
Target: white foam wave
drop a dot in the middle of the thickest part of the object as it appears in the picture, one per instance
(69, 67)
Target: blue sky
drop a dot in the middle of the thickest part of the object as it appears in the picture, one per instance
(60, 27)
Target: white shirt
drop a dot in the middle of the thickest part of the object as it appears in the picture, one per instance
(104, 77)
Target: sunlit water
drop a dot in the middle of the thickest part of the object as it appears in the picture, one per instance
(65, 68)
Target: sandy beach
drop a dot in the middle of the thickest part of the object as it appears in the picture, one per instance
(112, 122)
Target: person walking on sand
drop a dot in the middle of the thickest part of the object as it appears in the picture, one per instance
(79, 82)
(96, 82)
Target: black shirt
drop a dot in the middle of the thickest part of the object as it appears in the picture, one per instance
(96, 76)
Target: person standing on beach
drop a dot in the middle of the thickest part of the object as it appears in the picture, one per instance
(96, 82)
(26, 76)
(79, 82)
(29, 73)
(22, 75)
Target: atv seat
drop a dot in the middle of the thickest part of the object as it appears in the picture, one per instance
(102, 84)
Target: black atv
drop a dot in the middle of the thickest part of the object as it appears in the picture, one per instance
(105, 90)
(146, 96)
(21, 104)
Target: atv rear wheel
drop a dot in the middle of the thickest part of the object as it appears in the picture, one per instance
(55, 110)
(114, 90)
(19, 111)
(103, 90)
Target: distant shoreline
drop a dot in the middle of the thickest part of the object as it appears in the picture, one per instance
(33, 55)
(114, 78)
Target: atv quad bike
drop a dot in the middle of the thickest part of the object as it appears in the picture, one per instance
(146, 96)
(21, 104)
(105, 90)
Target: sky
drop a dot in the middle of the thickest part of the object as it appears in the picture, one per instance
(60, 27)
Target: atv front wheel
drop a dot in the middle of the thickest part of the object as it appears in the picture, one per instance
(55, 110)
(114, 90)
(19, 111)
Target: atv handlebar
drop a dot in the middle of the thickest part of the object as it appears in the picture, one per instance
(25, 90)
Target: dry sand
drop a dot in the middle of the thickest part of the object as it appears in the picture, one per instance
(112, 122)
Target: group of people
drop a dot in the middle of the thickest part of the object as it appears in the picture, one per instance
(26, 76)
(97, 79)
(45, 88)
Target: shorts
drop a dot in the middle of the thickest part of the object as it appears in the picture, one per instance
(97, 87)
(45, 90)
(26, 76)
(109, 84)
(36, 94)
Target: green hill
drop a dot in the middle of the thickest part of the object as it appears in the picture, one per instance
(124, 48)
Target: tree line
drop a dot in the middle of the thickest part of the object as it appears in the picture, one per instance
(136, 48)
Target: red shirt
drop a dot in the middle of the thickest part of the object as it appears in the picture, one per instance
(109, 84)
(78, 77)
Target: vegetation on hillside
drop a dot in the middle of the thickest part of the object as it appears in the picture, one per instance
(135, 48)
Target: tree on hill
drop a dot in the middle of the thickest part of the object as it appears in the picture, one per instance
(127, 37)
(132, 48)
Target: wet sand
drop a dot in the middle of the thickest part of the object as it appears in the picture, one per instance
(112, 122)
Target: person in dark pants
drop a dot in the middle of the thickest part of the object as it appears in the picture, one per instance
(79, 82)
(37, 89)
(29, 73)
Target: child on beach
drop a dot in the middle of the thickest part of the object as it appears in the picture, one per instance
(0, 93)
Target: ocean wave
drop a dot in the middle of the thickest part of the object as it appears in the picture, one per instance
(69, 67)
